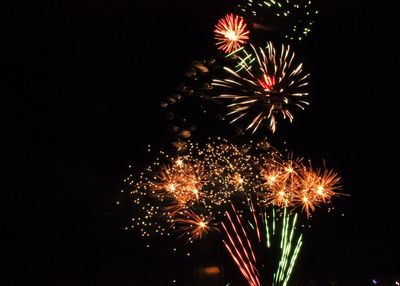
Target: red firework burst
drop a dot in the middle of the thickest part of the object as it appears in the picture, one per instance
(231, 33)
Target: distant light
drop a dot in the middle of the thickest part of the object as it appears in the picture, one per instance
(211, 270)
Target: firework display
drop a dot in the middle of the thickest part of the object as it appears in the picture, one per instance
(265, 90)
(290, 19)
(250, 197)
(189, 191)
(200, 180)
(231, 33)
(296, 184)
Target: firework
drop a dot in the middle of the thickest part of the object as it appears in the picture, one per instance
(231, 33)
(292, 183)
(291, 18)
(241, 252)
(198, 179)
(194, 185)
(265, 90)
(180, 181)
(195, 226)
(276, 233)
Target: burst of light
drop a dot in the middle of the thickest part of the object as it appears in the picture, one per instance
(263, 91)
(294, 183)
(194, 225)
(231, 32)
(199, 177)
(179, 162)
(210, 175)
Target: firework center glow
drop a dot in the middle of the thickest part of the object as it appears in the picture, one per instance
(320, 190)
(231, 35)
(171, 187)
(289, 170)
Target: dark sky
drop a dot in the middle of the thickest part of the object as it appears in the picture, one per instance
(81, 88)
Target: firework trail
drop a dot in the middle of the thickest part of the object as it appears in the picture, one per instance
(241, 252)
(276, 233)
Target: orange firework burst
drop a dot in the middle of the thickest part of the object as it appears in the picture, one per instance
(231, 32)
(280, 195)
(292, 183)
(194, 225)
(209, 177)
(180, 181)
(327, 182)
(237, 180)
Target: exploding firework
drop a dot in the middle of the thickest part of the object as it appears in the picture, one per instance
(198, 180)
(187, 190)
(293, 19)
(293, 183)
(195, 226)
(264, 90)
(265, 248)
(231, 33)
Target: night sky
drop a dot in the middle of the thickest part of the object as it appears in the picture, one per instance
(81, 89)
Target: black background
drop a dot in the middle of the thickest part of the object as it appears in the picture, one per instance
(81, 87)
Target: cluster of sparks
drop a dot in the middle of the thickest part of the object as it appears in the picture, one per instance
(190, 191)
(267, 84)
(296, 17)
(195, 184)
(297, 184)
(231, 33)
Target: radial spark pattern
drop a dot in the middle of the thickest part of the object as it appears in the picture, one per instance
(264, 90)
(194, 226)
(231, 33)
(293, 183)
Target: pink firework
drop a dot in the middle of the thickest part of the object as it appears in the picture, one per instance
(231, 33)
